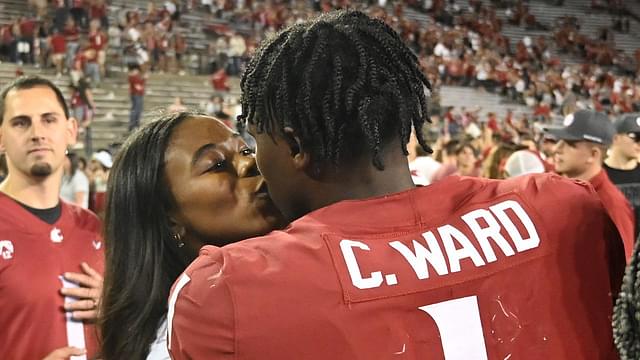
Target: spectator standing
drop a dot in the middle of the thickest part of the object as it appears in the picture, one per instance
(622, 164)
(75, 184)
(44, 240)
(58, 51)
(83, 108)
(136, 91)
(98, 41)
(237, 50)
(579, 154)
(72, 38)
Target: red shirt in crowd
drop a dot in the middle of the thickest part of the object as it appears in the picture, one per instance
(33, 257)
(27, 27)
(58, 43)
(465, 268)
(71, 33)
(136, 84)
(618, 208)
(219, 80)
(97, 40)
(97, 11)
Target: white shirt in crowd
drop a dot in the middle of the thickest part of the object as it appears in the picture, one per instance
(78, 183)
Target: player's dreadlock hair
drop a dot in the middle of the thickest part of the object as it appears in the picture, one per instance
(626, 314)
(342, 81)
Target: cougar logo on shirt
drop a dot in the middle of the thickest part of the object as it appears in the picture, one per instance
(439, 252)
(56, 235)
(6, 249)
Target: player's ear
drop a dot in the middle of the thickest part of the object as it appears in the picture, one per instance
(72, 131)
(300, 156)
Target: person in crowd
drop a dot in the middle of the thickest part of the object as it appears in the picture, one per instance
(198, 185)
(331, 103)
(579, 154)
(83, 107)
(177, 105)
(51, 251)
(137, 82)
(58, 45)
(99, 42)
(467, 160)
(421, 164)
(523, 162)
(75, 184)
(622, 163)
(100, 166)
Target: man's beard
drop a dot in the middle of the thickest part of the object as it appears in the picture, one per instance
(41, 169)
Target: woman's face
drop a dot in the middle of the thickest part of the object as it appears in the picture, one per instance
(219, 195)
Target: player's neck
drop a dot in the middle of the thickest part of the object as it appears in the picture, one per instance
(362, 181)
(617, 161)
(589, 173)
(34, 192)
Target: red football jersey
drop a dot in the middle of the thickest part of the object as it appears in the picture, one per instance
(462, 269)
(33, 257)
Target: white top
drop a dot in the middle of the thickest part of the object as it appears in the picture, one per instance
(78, 183)
(422, 169)
(158, 350)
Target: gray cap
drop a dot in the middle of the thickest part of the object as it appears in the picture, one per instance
(585, 125)
(628, 123)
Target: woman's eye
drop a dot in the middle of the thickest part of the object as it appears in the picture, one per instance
(217, 166)
(247, 151)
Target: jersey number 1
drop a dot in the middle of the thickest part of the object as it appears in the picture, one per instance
(458, 321)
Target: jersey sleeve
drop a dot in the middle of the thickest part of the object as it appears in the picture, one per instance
(582, 199)
(201, 310)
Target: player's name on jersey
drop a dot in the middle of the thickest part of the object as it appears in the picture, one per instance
(495, 234)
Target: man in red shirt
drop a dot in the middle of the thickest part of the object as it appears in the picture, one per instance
(43, 241)
(372, 267)
(580, 154)
(98, 41)
(136, 91)
(58, 50)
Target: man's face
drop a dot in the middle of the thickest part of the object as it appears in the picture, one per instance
(627, 145)
(35, 132)
(274, 160)
(572, 157)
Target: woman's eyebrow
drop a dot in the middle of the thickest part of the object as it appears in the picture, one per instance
(201, 150)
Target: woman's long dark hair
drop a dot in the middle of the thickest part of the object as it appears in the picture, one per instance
(142, 256)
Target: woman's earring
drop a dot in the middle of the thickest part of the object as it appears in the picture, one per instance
(178, 238)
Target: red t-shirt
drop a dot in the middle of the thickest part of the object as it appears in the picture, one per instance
(136, 79)
(97, 40)
(71, 34)
(462, 269)
(33, 255)
(27, 27)
(58, 43)
(97, 11)
(619, 209)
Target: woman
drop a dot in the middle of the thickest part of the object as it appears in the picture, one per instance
(199, 185)
(75, 184)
